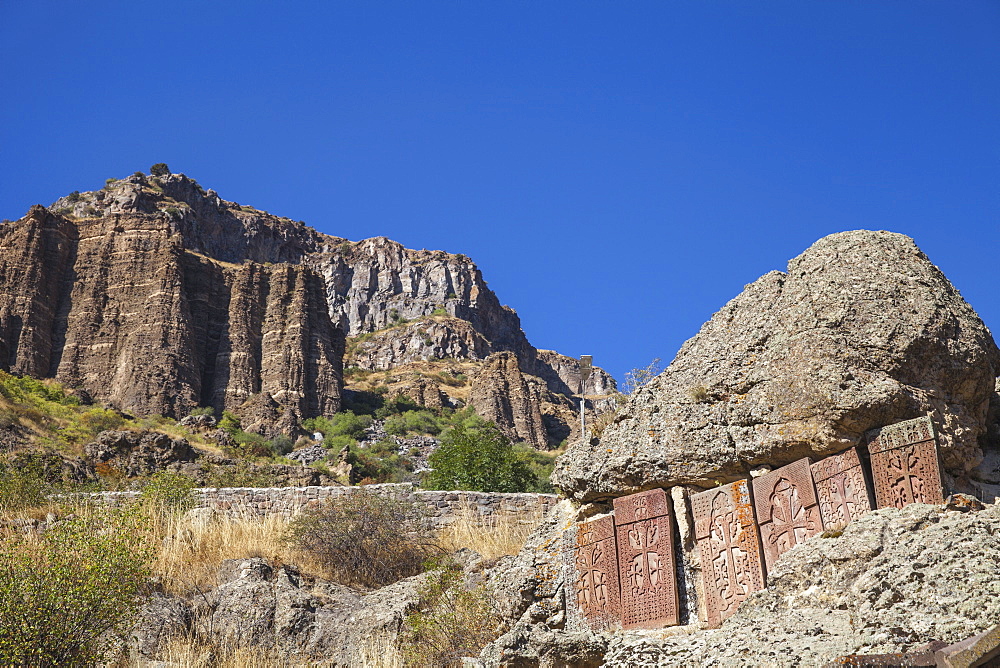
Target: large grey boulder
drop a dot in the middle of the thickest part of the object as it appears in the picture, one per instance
(861, 331)
(301, 619)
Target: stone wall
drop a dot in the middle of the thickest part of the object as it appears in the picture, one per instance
(441, 508)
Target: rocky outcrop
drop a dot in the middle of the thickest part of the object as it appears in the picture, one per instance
(135, 454)
(277, 608)
(511, 399)
(433, 337)
(860, 332)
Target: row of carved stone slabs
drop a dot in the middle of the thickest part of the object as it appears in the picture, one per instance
(625, 563)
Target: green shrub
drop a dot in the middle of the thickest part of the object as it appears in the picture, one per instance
(540, 464)
(74, 196)
(230, 423)
(420, 422)
(66, 593)
(396, 405)
(365, 539)
(168, 491)
(481, 460)
(451, 622)
(21, 487)
(341, 424)
(381, 462)
(160, 169)
(203, 410)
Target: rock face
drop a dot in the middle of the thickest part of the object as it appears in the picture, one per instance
(860, 332)
(501, 393)
(155, 296)
(119, 307)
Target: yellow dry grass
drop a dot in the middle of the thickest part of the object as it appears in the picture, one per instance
(191, 551)
(198, 653)
(492, 536)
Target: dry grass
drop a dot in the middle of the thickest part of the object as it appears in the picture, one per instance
(199, 653)
(492, 536)
(191, 551)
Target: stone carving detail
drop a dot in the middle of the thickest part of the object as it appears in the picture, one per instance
(598, 596)
(841, 488)
(646, 560)
(729, 546)
(787, 511)
(905, 465)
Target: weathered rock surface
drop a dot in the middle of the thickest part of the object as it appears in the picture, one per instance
(892, 581)
(862, 331)
(125, 307)
(136, 454)
(501, 393)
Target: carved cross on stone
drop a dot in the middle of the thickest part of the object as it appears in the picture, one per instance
(841, 489)
(596, 598)
(729, 548)
(646, 560)
(905, 463)
(787, 510)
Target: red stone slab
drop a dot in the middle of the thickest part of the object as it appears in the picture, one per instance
(729, 545)
(598, 596)
(841, 489)
(905, 465)
(646, 564)
(787, 509)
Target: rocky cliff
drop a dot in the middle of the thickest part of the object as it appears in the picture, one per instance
(155, 296)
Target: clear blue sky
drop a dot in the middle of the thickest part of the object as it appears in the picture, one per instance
(619, 170)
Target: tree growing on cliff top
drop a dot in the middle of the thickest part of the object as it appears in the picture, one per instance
(478, 460)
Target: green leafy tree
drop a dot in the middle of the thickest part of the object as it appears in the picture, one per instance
(478, 460)
(66, 593)
(159, 169)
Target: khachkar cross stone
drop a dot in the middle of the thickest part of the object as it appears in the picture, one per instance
(646, 560)
(905, 463)
(596, 592)
(787, 510)
(729, 546)
(841, 489)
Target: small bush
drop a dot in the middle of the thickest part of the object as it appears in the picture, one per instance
(160, 169)
(364, 539)
(453, 621)
(341, 424)
(421, 422)
(230, 423)
(169, 491)
(74, 196)
(21, 487)
(64, 594)
(203, 410)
